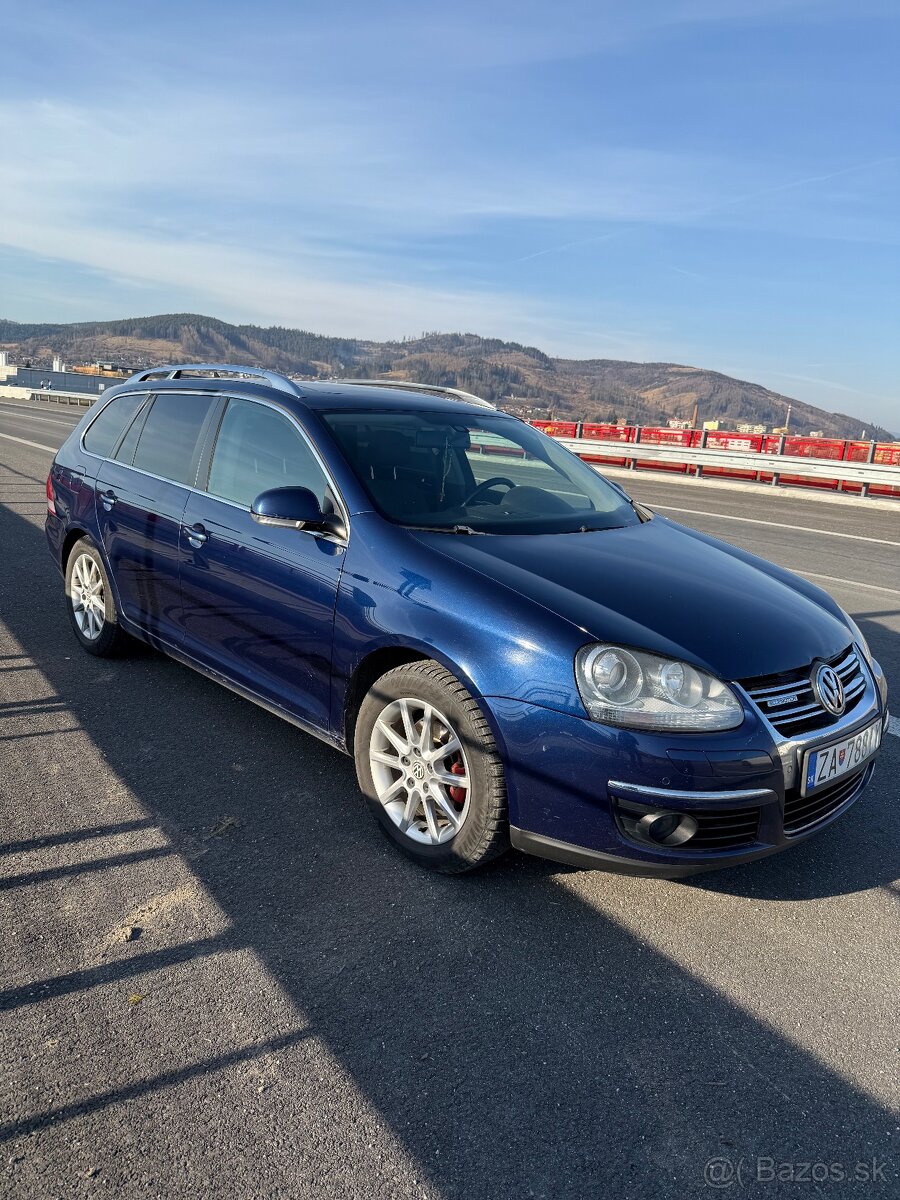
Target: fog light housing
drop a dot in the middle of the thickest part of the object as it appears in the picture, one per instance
(666, 828)
(658, 827)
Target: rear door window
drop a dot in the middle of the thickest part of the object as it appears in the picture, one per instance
(103, 434)
(169, 445)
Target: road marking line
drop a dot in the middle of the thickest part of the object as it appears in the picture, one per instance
(894, 726)
(856, 537)
(62, 419)
(24, 442)
(872, 587)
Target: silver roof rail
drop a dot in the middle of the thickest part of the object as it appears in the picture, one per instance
(218, 371)
(431, 389)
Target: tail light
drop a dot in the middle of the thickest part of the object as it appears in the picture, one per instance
(51, 499)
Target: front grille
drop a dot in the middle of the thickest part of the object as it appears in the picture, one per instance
(803, 812)
(788, 702)
(722, 829)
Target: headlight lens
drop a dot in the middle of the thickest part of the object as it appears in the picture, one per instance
(646, 691)
(858, 637)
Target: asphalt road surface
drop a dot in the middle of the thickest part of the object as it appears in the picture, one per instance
(218, 979)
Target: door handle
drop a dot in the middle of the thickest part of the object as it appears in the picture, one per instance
(108, 499)
(196, 535)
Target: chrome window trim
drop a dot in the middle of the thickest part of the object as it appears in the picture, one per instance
(231, 395)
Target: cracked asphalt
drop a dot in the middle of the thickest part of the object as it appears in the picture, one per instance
(219, 980)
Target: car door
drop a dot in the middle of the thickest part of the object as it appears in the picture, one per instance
(258, 602)
(140, 495)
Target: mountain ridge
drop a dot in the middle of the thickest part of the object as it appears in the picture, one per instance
(521, 378)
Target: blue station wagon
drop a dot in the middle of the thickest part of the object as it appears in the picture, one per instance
(514, 652)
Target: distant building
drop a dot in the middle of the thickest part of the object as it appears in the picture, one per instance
(711, 425)
(677, 423)
(750, 428)
(105, 369)
(816, 433)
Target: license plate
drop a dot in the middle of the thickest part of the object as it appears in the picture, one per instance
(827, 763)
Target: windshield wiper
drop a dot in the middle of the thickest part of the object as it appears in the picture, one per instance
(446, 529)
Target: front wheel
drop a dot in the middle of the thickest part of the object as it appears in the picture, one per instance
(89, 599)
(429, 768)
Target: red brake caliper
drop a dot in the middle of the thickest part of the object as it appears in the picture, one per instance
(457, 794)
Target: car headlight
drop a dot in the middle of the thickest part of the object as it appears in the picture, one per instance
(647, 691)
(858, 637)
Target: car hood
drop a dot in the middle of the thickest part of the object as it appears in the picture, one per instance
(662, 587)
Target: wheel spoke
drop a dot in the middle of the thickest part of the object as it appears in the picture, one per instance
(430, 819)
(386, 760)
(408, 726)
(409, 812)
(426, 737)
(448, 779)
(392, 736)
(390, 792)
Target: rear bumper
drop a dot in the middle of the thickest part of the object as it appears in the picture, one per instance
(55, 531)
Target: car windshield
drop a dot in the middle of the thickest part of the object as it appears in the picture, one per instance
(466, 473)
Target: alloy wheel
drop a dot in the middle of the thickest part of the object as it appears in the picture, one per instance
(420, 771)
(88, 597)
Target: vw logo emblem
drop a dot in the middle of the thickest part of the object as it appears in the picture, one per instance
(829, 691)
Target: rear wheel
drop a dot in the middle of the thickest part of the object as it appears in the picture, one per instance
(89, 599)
(429, 768)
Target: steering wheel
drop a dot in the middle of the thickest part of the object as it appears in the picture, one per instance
(486, 487)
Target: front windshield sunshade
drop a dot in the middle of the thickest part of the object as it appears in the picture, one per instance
(473, 474)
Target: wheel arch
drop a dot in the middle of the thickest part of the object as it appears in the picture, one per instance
(371, 667)
(72, 537)
(380, 660)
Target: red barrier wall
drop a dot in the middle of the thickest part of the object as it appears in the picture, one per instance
(762, 444)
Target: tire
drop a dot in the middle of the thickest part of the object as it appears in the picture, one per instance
(469, 818)
(95, 621)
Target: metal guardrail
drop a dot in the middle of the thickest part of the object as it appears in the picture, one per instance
(737, 460)
(79, 399)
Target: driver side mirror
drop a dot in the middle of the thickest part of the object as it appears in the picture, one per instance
(294, 508)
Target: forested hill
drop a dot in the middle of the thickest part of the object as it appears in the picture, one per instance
(521, 378)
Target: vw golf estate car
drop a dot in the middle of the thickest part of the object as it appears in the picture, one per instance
(514, 652)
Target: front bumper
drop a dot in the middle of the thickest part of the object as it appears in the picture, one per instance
(569, 781)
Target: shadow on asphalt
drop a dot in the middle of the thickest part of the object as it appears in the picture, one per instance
(516, 1040)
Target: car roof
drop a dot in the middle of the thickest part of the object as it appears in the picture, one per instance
(333, 394)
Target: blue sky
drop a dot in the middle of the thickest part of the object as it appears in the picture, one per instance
(715, 182)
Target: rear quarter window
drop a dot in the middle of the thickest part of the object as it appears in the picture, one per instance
(104, 433)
